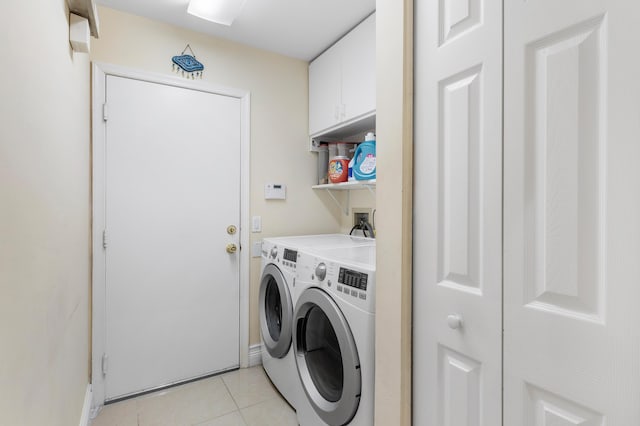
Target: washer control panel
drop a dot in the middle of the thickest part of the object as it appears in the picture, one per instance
(281, 256)
(290, 255)
(321, 271)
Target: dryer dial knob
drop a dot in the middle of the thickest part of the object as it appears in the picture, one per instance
(321, 271)
(274, 252)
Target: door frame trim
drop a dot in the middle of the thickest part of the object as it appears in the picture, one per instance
(98, 311)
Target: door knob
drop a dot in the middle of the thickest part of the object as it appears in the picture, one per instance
(232, 248)
(231, 229)
(454, 321)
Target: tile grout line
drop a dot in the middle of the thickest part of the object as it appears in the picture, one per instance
(276, 395)
(234, 400)
(230, 393)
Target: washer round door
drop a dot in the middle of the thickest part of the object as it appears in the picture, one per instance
(327, 357)
(276, 312)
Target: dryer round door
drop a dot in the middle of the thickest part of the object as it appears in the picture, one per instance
(276, 312)
(327, 357)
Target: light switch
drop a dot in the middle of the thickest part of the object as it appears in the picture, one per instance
(275, 191)
(256, 249)
(256, 224)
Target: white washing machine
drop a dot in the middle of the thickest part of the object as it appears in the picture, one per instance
(334, 335)
(279, 262)
(277, 296)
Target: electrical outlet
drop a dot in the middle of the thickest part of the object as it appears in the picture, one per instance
(360, 216)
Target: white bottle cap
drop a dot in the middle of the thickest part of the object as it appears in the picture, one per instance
(370, 137)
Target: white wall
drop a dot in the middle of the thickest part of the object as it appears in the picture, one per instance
(44, 217)
(279, 118)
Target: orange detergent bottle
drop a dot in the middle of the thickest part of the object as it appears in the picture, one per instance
(338, 169)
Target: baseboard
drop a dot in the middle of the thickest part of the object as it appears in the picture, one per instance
(86, 407)
(255, 355)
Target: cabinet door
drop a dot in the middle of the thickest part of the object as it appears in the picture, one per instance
(324, 90)
(358, 52)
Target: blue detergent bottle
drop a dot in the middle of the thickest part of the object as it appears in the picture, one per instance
(364, 165)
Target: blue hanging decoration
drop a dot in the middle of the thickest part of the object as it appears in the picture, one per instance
(188, 64)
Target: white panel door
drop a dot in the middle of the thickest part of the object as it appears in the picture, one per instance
(457, 213)
(172, 188)
(572, 213)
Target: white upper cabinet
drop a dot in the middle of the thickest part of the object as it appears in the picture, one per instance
(324, 90)
(342, 81)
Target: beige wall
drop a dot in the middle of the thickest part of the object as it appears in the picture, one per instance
(394, 52)
(44, 217)
(279, 117)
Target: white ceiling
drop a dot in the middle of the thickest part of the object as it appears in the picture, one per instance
(297, 28)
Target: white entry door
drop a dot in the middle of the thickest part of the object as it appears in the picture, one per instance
(572, 213)
(457, 277)
(172, 188)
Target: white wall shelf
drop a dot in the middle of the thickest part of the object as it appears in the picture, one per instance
(347, 186)
(354, 184)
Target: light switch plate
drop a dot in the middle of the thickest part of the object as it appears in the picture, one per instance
(256, 224)
(275, 191)
(256, 249)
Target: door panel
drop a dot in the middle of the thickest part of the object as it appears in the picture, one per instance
(459, 248)
(564, 172)
(172, 188)
(572, 213)
(459, 388)
(458, 213)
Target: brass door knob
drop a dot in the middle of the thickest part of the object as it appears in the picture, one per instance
(232, 248)
(231, 229)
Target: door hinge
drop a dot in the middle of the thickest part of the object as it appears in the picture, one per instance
(104, 239)
(105, 364)
(105, 112)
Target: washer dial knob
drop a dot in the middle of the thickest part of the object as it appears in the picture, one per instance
(274, 252)
(321, 271)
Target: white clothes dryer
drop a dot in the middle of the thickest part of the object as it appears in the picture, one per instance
(334, 335)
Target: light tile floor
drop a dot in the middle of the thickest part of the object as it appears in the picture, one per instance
(243, 397)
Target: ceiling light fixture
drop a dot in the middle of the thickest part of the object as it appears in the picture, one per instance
(219, 11)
